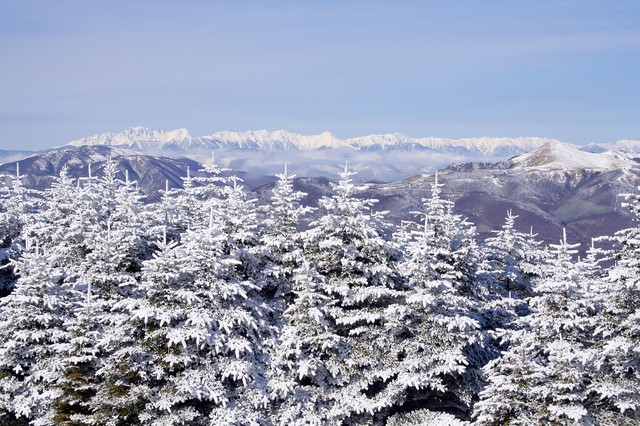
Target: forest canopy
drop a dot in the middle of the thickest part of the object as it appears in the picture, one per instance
(207, 309)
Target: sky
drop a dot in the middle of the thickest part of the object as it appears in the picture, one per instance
(568, 70)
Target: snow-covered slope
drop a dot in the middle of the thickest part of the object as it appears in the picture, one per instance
(273, 141)
(564, 156)
(143, 139)
(623, 145)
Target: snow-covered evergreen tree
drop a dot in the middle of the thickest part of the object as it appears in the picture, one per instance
(64, 224)
(424, 417)
(95, 229)
(95, 232)
(513, 259)
(198, 357)
(119, 243)
(452, 241)
(77, 358)
(168, 212)
(128, 373)
(17, 207)
(352, 268)
(237, 217)
(438, 329)
(542, 376)
(32, 321)
(189, 207)
(292, 295)
(302, 381)
(281, 241)
(212, 181)
(181, 204)
(616, 378)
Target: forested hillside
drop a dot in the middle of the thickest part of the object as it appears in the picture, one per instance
(206, 309)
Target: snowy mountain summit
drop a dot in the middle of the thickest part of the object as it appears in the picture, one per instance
(564, 156)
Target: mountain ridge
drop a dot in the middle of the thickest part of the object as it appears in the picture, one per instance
(282, 140)
(562, 156)
(388, 157)
(544, 187)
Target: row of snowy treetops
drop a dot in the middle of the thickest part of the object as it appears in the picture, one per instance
(206, 309)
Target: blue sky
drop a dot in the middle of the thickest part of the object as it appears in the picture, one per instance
(563, 69)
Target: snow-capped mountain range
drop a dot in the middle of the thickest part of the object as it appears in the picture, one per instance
(378, 157)
(143, 139)
(388, 157)
(551, 187)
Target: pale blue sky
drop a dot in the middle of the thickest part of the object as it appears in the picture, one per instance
(563, 69)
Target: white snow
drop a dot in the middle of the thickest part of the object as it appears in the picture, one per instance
(564, 156)
(284, 140)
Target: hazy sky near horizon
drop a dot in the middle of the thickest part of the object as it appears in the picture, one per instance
(563, 69)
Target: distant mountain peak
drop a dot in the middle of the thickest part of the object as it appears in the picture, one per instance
(564, 156)
(181, 133)
(135, 135)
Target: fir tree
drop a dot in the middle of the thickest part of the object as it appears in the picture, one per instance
(32, 323)
(438, 330)
(199, 331)
(354, 262)
(542, 376)
(302, 383)
(280, 237)
(616, 367)
(201, 193)
(77, 358)
(513, 258)
(101, 229)
(18, 205)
